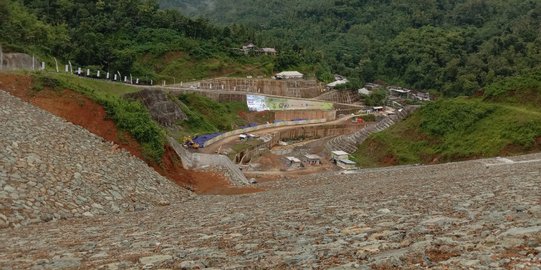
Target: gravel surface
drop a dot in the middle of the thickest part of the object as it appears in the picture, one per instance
(51, 169)
(483, 214)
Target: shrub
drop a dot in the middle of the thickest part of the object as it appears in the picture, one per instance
(39, 82)
(443, 117)
(133, 117)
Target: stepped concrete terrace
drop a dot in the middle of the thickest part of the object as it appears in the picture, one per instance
(349, 142)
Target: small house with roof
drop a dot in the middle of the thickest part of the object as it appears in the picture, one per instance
(339, 155)
(346, 164)
(293, 162)
(288, 75)
(312, 159)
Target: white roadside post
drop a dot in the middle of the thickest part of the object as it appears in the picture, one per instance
(98, 74)
(56, 65)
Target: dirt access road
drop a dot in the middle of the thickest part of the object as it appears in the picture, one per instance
(215, 146)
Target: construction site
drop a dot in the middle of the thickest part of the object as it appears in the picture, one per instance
(306, 126)
(77, 192)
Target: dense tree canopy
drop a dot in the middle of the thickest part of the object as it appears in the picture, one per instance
(454, 47)
(107, 34)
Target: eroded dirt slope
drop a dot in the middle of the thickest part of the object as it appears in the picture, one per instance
(80, 110)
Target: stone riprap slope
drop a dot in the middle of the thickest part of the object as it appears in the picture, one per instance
(51, 169)
(470, 215)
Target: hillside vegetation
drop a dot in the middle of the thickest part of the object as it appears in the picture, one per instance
(453, 47)
(129, 116)
(207, 116)
(129, 36)
(505, 120)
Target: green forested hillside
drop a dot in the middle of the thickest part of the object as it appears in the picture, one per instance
(455, 47)
(130, 36)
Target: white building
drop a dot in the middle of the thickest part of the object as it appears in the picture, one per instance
(286, 75)
(339, 155)
(268, 51)
(346, 164)
(312, 159)
(294, 162)
(364, 91)
(337, 83)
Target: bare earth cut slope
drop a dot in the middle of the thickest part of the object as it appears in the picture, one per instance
(51, 169)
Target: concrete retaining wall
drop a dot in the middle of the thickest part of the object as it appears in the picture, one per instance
(309, 133)
(288, 88)
(265, 126)
(210, 162)
(308, 115)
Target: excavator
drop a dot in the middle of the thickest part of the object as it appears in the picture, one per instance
(188, 142)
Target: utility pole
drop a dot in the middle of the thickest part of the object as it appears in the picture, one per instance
(1, 58)
(56, 63)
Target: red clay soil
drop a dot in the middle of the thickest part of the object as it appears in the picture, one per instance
(80, 110)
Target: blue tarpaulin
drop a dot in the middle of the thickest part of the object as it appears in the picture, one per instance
(202, 139)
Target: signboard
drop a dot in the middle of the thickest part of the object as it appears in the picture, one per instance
(263, 103)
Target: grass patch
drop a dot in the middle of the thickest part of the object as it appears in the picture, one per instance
(40, 82)
(451, 130)
(524, 90)
(95, 87)
(207, 116)
(182, 67)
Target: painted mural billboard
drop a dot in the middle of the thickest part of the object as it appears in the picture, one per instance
(263, 103)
